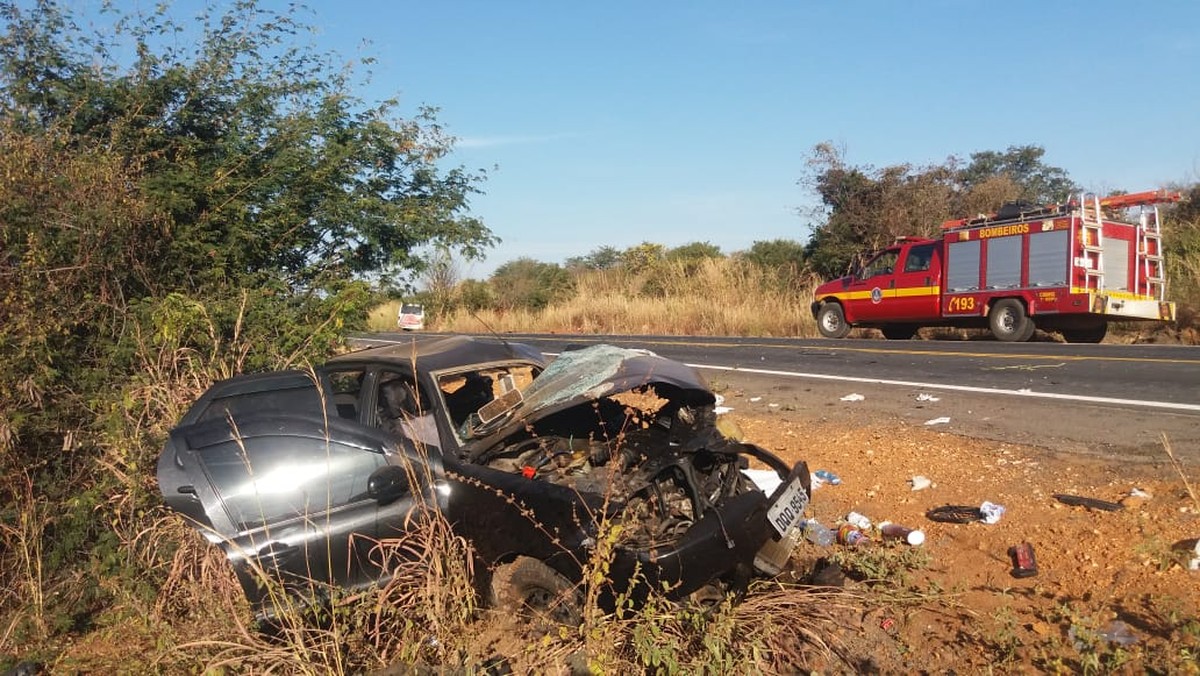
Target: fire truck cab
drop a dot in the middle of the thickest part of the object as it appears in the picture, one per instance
(1069, 268)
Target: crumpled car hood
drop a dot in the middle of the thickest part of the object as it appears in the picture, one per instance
(581, 376)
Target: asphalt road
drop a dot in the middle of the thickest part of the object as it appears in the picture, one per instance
(1107, 400)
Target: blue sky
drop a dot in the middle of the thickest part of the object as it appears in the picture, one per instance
(620, 122)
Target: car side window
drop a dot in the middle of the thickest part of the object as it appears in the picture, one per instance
(263, 481)
(282, 400)
(883, 264)
(403, 411)
(347, 391)
(919, 258)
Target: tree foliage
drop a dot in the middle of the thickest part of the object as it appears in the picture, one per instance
(526, 283)
(601, 258)
(181, 203)
(864, 208)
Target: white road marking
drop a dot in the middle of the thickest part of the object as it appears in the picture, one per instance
(1195, 408)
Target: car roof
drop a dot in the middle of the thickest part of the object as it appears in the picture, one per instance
(438, 352)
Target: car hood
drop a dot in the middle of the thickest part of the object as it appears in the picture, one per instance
(581, 376)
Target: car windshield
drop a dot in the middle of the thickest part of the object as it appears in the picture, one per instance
(410, 309)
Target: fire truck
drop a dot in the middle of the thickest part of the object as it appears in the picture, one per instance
(1070, 268)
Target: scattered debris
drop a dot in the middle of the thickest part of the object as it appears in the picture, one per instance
(818, 533)
(767, 480)
(991, 512)
(894, 531)
(755, 399)
(888, 624)
(1118, 632)
(1024, 562)
(938, 421)
(858, 521)
(920, 483)
(853, 396)
(954, 514)
(719, 407)
(851, 536)
(825, 476)
(1090, 503)
(927, 397)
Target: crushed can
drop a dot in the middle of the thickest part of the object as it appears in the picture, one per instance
(1024, 562)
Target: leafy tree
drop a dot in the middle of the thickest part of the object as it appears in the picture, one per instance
(864, 208)
(1036, 182)
(694, 251)
(175, 211)
(776, 254)
(475, 295)
(601, 258)
(643, 257)
(530, 284)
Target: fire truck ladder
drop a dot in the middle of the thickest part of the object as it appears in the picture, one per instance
(1092, 246)
(1149, 238)
(1150, 254)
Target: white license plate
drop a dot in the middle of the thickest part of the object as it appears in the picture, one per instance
(788, 510)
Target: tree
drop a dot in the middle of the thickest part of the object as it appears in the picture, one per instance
(257, 150)
(863, 208)
(530, 284)
(693, 252)
(1035, 181)
(643, 257)
(600, 258)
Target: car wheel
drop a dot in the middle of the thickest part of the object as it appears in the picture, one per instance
(831, 321)
(899, 332)
(1009, 322)
(535, 591)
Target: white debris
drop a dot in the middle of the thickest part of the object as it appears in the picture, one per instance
(927, 397)
(920, 483)
(938, 421)
(755, 399)
(766, 480)
(721, 410)
(853, 396)
(991, 512)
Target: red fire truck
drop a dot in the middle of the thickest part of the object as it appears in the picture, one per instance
(1070, 268)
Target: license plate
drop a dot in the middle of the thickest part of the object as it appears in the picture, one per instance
(788, 509)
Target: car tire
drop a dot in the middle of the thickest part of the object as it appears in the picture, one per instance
(899, 332)
(531, 589)
(831, 321)
(1009, 323)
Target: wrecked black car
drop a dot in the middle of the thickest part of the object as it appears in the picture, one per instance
(300, 475)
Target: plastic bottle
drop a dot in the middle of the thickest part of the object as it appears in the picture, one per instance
(818, 534)
(828, 477)
(894, 531)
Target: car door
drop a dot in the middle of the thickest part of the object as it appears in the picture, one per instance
(916, 283)
(287, 499)
(872, 291)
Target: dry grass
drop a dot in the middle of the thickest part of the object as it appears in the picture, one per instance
(716, 297)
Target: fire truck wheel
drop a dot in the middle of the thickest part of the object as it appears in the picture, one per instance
(899, 332)
(1009, 322)
(831, 321)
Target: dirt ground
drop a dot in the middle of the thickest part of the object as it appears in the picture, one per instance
(1113, 588)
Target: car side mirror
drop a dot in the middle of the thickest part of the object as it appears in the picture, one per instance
(387, 483)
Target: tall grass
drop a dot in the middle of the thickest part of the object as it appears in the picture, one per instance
(726, 296)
